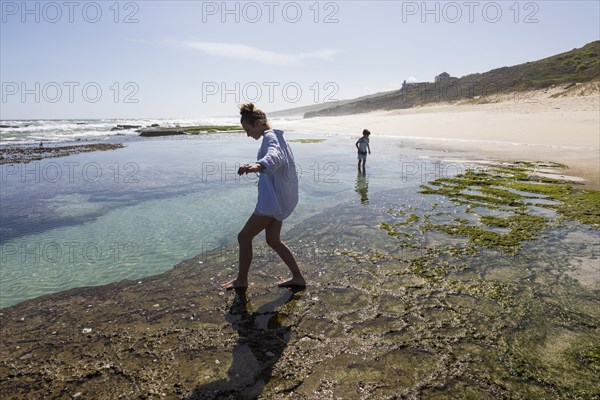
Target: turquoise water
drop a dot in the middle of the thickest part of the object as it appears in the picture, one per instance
(101, 217)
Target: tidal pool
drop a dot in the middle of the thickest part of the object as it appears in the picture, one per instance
(396, 307)
(97, 218)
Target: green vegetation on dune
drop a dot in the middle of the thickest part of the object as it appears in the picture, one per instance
(575, 66)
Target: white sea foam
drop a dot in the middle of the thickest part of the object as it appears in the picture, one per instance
(27, 132)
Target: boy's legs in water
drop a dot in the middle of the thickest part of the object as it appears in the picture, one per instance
(363, 161)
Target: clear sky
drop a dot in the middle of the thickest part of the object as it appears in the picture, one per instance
(194, 59)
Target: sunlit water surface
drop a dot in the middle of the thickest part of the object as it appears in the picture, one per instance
(101, 217)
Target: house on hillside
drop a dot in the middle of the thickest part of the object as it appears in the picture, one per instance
(408, 85)
(444, 76)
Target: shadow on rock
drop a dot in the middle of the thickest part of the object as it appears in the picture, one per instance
(262, 340)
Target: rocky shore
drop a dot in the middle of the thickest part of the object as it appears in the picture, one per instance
(154, 131)
(25, 154)
(394, 309)
(11, 154)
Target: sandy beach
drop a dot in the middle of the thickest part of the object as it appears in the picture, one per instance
(549, 125)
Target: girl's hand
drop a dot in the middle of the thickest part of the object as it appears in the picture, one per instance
(247, 168)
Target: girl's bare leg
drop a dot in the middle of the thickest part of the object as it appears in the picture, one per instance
(253, 227)
(273, 231)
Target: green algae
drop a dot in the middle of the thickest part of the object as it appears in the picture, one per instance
(583, 207)
(540, 341)
(306, 140)
(528, 165)
(373, 256)
(195, 130)
(394, 231)
(522, 227)
(506, 187)
(553, 191)
(592, 357)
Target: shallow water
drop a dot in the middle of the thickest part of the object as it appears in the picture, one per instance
(396, 313)
(102, 217)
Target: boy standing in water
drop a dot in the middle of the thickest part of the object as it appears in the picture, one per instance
(362, 145)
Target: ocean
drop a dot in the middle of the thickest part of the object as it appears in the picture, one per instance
(28, 132)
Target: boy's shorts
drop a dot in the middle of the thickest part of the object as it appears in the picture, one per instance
(362, 156)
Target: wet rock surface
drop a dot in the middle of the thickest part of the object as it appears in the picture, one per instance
(25, 154)
(416, 314)
(125, 127)
(187, 130)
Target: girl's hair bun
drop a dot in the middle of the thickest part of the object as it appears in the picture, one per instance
(250, 113)
(246, 108)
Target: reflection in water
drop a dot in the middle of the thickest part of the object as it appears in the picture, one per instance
(262, 340)
(362, 187)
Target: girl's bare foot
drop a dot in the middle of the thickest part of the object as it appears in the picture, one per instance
(234, 284)
(294, 282)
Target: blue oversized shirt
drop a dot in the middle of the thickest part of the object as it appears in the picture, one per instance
(278, 181)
